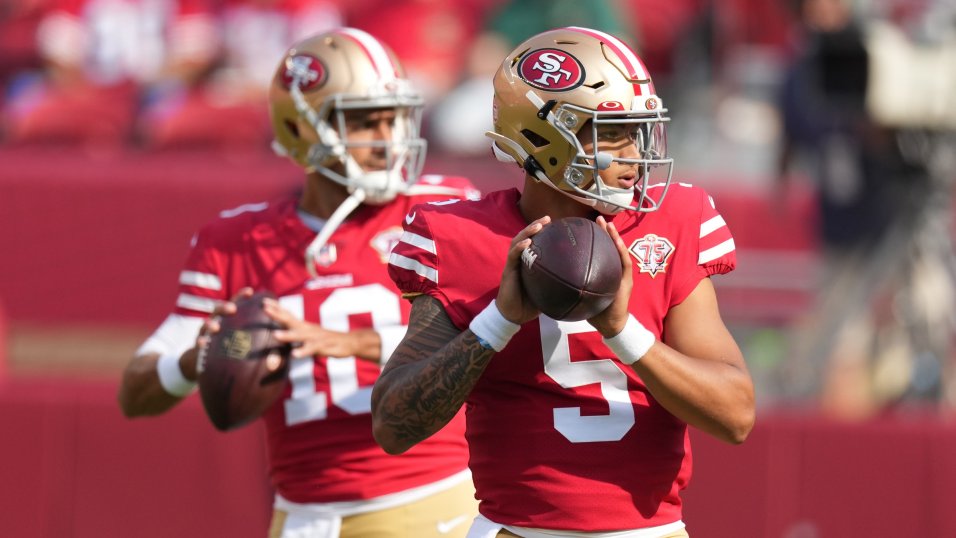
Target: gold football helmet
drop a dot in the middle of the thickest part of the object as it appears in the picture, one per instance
(318, 82)
(556, 83)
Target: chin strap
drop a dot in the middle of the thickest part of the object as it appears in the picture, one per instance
(334, 221)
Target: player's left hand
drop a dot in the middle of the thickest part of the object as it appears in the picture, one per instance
(611, 321)
(190, 358)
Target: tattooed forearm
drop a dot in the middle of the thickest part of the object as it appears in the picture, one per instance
(427, 378)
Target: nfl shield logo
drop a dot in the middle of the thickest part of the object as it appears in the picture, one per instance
(327, 255)
(384, 242)
(652, 253)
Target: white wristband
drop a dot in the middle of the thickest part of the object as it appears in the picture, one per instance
(492, 329)
(632, 343)
(172, 378)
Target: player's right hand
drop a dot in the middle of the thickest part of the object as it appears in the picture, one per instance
(210, 327)
(512, 301)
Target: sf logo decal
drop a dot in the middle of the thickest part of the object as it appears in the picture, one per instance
(553, 70)
(304, 70)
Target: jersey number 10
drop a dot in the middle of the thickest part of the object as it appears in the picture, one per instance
(307, 402)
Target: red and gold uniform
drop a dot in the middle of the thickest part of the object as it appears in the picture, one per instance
(563, 436)
(320, 441)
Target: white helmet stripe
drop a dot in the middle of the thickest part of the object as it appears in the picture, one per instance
(373, 48)
(630, 60)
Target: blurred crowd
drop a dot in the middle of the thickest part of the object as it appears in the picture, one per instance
(181, 73)
(858, 96)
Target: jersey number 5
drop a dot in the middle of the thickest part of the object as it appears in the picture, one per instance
(578, 428)
(307, 402)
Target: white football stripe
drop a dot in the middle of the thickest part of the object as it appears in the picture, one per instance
(623, 51)
(626, 55)
(407, 263)
(201, 280)
(416, 240)
(711, 225)
(713, 253)
(194, 302)
(380, 58)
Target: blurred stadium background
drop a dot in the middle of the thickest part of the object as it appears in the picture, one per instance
(825, 130)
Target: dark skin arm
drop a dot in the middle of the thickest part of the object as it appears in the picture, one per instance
(414, 398)
(699, 373)
(434, 369)
(140, 392)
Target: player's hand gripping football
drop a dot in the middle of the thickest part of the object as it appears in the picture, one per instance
(213, 324)
(190, 359)
(611, 321)
(512, 300)
(310, 339)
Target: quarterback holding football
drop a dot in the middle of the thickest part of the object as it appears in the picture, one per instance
(342, 109)
(576, 428)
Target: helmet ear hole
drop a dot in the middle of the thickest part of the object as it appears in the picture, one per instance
(292, 128)
(536, 140)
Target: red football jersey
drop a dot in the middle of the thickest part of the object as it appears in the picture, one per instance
(320, 440)
(562, 435)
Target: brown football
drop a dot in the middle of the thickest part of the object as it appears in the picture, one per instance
(243, 368)
(572, 269)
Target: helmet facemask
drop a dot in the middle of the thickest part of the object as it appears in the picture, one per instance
(326, 81)
(559, 82)
(613, 130)
(404, 152)
(579, 176)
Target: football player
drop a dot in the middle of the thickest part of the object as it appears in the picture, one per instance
(575, 428)
(343, 110)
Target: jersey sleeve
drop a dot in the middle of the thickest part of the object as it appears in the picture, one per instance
(201, 282)
(716, 251)
(413, 263)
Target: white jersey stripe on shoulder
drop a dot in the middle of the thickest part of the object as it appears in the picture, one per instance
(407, 263)
(194, 302)
(713, 224)
(416, 240)
(380, 58)
(229, 213)
(201, 280)
(713, 253)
